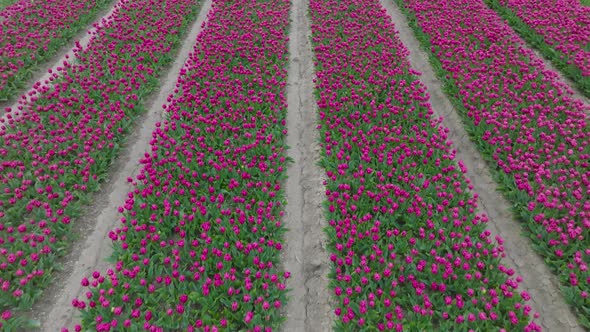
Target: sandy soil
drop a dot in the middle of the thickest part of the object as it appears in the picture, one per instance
(90, 252)
(539, 281)
(305, 254)
(41, 73)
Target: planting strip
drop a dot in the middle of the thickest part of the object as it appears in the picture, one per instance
(34, 32)
(573, 88)
(408, 249)
(305, 253)
(199, 245)
(60, 148)
(45, 72)
(55, 310)
(526, 125)
(538, 280)
(559, 30)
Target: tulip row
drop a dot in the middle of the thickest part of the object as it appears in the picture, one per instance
(199, 243)
(525, 123)
(33, 31)
(61, 144)
(409, 251)
(560, 30)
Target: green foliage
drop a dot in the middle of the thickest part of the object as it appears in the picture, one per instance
(61, 231)
(24, 73)
(558, 59)
(537, 232)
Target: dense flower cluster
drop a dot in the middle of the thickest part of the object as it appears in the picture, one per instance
(6, 3)
(409, 251)
(199, 243)
(526, 124)
(60, 145)
(560, 29)
(32, 31)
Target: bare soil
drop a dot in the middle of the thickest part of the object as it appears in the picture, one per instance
(305, 254)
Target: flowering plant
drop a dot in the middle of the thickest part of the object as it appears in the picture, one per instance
(200, 239)
(409, 251)
(534, 135)
(55, 149)
(33, 31)
(559, 29)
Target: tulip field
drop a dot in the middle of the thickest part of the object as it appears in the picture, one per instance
(525, 124)
(57, 148)
(409, 251)
(559, 29)
(33, 31)
(200, 234)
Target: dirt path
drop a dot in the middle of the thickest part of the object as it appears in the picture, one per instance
(305, 254)
(539, 281)
(54, 310)
(41, 73)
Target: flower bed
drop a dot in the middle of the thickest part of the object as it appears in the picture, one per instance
(560, 30)
(60, 146)
(408, 249)
(533, 134)
(199, 244)
(33, 31)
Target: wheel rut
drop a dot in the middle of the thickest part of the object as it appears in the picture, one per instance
(305, 255)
